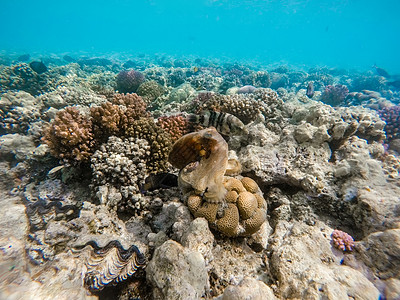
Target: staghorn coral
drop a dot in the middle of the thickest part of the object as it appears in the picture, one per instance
(391, 115)
(342, 240)
(129, 81)
(70, 135)
(223, 201)
(158, 139)
(176, 126)
(334, 94)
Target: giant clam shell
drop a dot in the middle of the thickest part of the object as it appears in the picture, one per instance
(111, 263)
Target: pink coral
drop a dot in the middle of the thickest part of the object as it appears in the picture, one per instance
(391, 115)
(342, 240)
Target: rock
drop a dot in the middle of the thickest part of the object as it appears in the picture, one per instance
(198, 237)
(16, 146)
(177, 273)
(249, 289)
(304, 264)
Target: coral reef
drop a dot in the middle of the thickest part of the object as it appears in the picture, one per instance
(150, 91)
(129, 81)
(334, 94)
(120, 165)
(176, 126)
(17, 111)
(391, 115)
(232, 206)
(70, 135)
(342, 240)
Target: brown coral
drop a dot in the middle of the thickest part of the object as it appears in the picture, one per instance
(69, 135)
(176, 126)
(207, 211)
(150, 90)
(252, 224)
(113, 118)
(158, 139)
(247, 204)
(250, 185)
(228, 224)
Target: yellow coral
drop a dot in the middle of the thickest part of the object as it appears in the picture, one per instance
(247, 204)
(260, 201)
(231, 197)
(252, 224)
(228, 224)
(207, 211)
(249, 184)
(233, 184)
(194, 202)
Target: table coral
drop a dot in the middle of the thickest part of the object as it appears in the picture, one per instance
(70, 135)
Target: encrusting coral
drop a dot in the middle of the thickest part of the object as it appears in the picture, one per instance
(70, 135)
(232, 206)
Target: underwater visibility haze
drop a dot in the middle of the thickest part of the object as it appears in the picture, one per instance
(214, 149)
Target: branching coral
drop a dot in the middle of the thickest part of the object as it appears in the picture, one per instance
(113, 118)
(391, 115)
(158, 139)
(342, 240)
(176, 126)
(70, 135)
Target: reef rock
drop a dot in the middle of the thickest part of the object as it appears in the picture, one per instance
(177, 273)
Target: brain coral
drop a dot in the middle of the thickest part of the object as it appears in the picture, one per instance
(150, 90)
(129, 81)
(70, 135)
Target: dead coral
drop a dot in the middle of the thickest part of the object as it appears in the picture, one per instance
(70, 135)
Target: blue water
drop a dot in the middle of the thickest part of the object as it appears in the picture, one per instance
(349, 34)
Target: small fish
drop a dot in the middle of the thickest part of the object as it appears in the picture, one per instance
(195, 69)
(159, 181)
(310, 90)
(55, 169)
(23, 57)
(225, 123)
(381, 72)
(38, 67)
